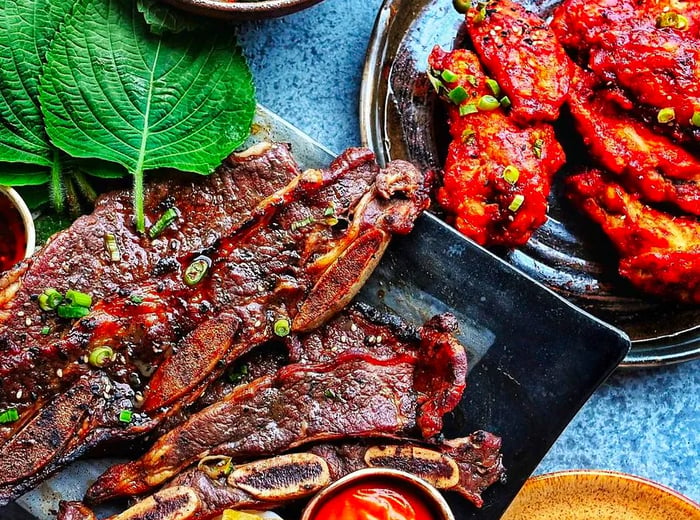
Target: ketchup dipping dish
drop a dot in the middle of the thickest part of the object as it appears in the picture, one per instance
(17, 233)
(378, 494)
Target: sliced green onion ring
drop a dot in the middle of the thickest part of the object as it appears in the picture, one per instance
(163, 222)
(511, 174)
(126, 416)
(461, 6)
(72, 311)
(100, 356)
(50, 299)
(457, 95)
(449, 76)
(282, 327)
(488, 103)
(516, 202)
(481, 15)
(78, 298)
(666, 115)
(9, 415)
(493, 86)
(695, 120)
(197, 270)
(467, 108)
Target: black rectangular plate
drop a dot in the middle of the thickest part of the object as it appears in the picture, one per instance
(534, 358)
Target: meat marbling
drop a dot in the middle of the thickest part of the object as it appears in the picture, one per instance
(280, 245)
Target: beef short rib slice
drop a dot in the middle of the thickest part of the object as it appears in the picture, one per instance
(467, 466)
(293, 259)
(209, 208)
(364, 390)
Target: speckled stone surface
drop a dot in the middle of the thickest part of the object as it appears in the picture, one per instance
(308, 69)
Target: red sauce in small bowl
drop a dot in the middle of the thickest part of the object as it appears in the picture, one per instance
(13, 235)
(374, 500)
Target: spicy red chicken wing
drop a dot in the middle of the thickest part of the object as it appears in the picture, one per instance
(523, 55)
(660, 252)
(648, 164)
(497, 175)
(648, 48)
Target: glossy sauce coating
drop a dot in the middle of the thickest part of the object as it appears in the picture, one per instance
(374, 500)
(13, 240)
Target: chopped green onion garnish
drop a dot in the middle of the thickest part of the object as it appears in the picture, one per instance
(282, 327)
(537, 147)
(78, 298)
(302, 223)
(50, 299)
(9, 415)
(668, 19)
(72, 311)
(135, 298)
(467, 108)
(125, 416)
(45, 331)
(100, 356)
(112, 247)
(197, 270)
(666, 115)
(516, 202)
(164, 221)
(505, 102)
(435, 82)
(480, 16)
(493, 86)
(487, 103)
(330, 393)
(673, 20)
(468, 135)
(449, 76)
(511, 174)
(471, 79)
(457, 95)
(329, 214)
(695, 120)
(461, 6)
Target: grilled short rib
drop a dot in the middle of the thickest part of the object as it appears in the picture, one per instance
(369, 379)
(281, 247)
(466, 466)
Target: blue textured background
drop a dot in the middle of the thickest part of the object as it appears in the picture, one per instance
(308, 69)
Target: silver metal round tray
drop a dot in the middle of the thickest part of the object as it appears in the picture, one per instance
(400, 118)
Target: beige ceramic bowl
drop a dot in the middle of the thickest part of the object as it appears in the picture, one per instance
(30, 232)
(420, 488)
(598, 495)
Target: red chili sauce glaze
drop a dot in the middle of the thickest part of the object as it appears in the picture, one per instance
(13, 240)
(374, 500)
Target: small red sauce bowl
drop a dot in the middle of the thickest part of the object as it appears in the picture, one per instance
(411, 487)
(17, 232)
